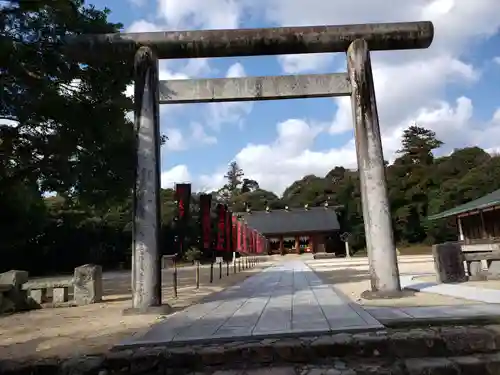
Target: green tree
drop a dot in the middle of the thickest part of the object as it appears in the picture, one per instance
(418, 144)
(234, 177)
(69, 131)
(249, 185)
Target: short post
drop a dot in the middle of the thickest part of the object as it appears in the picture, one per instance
(234, 262)
(239, 264)
(197, 274)
(220, 270)
(211, 272)
(146, 272)
(345, 237)
(227, 268)
(376, 214)
(174, 275)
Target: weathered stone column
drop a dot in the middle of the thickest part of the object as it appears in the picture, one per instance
(146, 270)
(376, 214)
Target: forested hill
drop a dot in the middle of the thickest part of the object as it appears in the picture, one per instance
(55, 234)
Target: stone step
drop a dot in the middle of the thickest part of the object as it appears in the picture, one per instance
(478, 345)
(485, 364)
(476, 364)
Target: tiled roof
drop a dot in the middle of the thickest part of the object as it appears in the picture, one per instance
(489, 200)
(296, 220)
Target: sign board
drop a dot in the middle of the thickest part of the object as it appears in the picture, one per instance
(218, 260)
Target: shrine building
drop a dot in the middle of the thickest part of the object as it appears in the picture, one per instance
(308, 229)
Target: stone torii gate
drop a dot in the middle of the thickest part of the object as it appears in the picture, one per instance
(356, 40)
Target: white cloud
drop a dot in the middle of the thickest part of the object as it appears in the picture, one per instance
(402, 89)
(293, 64)
(288, 157)
(138, 3)
(200, 14)
(177, 174)
(229, 112)
(143, 26)
(291, 155)
(236, 71)
(175, 141)
(496, 60)
(198, 135)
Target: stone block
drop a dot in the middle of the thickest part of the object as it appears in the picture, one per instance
(494, 267)
(88, 284)
(448, 262)
(60, 295)
(16, 278)
(15, 298)
(38, 295)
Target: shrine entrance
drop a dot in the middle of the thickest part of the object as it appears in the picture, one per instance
(355, 40)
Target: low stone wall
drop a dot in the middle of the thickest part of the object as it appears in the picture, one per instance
(460, 350)
(18, 293)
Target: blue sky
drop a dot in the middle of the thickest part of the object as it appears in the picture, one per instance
(451, 88)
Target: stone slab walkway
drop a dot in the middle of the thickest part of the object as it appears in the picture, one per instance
(388, 315)
(285, 299)
(452, 290)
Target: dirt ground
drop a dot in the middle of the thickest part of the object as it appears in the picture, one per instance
(91, 329)
(70, 331)
(351, 277)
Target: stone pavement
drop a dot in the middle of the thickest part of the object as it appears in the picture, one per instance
(452, 290)
(284, 299)
(390, 316)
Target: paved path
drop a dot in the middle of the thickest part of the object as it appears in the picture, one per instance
(284, 299)
(452, 290)
(388, 315)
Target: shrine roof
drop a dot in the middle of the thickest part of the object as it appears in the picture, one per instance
(293, 220)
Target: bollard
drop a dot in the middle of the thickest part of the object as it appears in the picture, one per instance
(211, 272)
(197, 274)
(220, 270)
(239, 265)
(175, 278)
(227, 268)
(234, 265)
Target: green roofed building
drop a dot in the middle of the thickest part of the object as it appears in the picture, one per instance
(309, 229)
(478, 222)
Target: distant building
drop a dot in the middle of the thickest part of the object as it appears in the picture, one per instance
(478, 222)
(314, 229)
